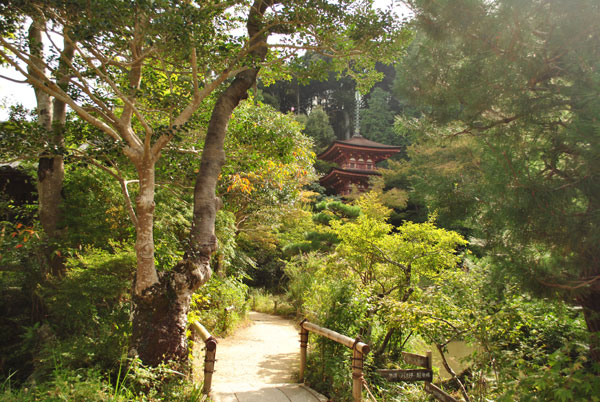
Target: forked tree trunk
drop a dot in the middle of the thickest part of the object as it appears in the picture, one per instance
(160, 301)
(160, 310)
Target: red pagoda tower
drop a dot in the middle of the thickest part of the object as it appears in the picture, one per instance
(356, 159)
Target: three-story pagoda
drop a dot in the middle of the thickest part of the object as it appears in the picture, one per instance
(355, 159)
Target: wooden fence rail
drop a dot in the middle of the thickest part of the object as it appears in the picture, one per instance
(210, 344)
(359, 350)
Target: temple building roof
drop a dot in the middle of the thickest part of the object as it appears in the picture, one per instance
(341, 180)
(358, 143)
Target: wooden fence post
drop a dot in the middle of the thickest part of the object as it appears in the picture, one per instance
(209, 363)
(303, 347)
(210, 344)
(357, 373)
(359, 350)
(429, 361)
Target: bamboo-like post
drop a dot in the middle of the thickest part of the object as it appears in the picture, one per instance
(359, 349)
(210, 344)
(357, 374)
(303, 347)
(200, 330)
(429, 361)
(209, 363)
(334, 336)
(429, 365)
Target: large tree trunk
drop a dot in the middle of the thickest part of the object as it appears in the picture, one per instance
(148, 292)
(50, 168)
(160, 310)
(161, 302)
(52, 117)
(160, 320)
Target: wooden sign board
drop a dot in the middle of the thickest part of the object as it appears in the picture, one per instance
(438, 393)
(417, 360)
(406, 375)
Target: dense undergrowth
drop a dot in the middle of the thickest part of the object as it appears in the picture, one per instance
(417, 287)
(399, 288)
(78, 348)
(66, 338)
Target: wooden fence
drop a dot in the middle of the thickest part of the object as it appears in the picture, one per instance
(359, 350)
(425, 374)
(210, 346)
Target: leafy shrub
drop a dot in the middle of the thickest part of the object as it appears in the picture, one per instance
(172, 221)
(301, 271)
(335, 304)
(88, 312)
(21, 304)
(64, 385)
(20, 245)
(562, 378)
(220, 304)
(135, 382)
(265, 302)
(93, 210)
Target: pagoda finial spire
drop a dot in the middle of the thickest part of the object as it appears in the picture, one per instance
(357, 97)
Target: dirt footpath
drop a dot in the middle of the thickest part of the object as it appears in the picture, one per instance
(260, 363)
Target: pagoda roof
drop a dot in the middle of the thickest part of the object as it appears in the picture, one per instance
(357, 142)
(337, 173)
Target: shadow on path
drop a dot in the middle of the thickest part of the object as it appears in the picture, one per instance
(272, 366)
(259, 364)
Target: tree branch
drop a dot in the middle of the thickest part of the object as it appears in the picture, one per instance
(82, 84)
(452, 373)
(122, 182)
(128, 135)
(49, 87)
(4, 77)
(574, 286)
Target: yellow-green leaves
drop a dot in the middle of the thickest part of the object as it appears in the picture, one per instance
(392, 260)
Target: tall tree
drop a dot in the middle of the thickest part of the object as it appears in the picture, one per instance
(377, 119)
(51, 118)
(139, 73)
(517, 84)
(323, 87)
(318, 128)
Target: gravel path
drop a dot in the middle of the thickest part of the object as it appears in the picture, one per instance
(260, 363)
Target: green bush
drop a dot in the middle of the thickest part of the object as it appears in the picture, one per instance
(334, 303)
(220, 304)
(265, 302)
(20, 304)
(562, 378)
(301, 271)
(87, 312)
(133, 382)
(93, 210)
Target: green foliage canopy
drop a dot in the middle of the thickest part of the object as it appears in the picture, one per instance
(516, 84)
